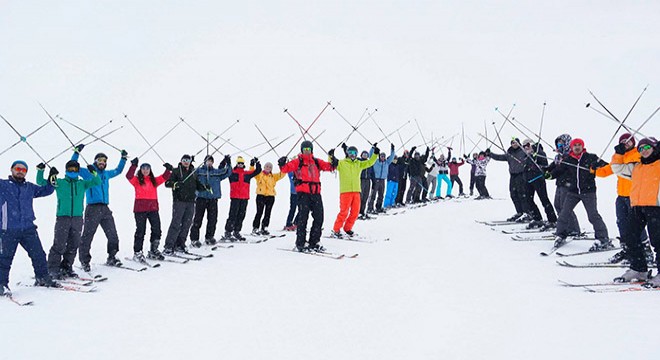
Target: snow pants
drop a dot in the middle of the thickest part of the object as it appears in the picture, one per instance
(455, 178)
(209, 206)
(560, 197)
(365, 190)
(538, 187)
(391, 193)
(182, 216)
(291, 218)
(642, 217)
(29, 240)
(415, 190)
(65, 243)
(590, 205)
(518, 192)
(401, 191)
(237, 209)
(473, 181)
(141, 219)
(95, 215)
(309, 203)
(377, 191)
(443, 178)
(480, 182)
(623, 220)
(264, 207)
(349, 209)
(432, 182)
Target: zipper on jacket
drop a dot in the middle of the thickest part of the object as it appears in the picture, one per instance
(72, 196)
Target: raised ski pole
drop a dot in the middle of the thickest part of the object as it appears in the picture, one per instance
(475, 144)
(626, 127)
(200, 135)
(61, 130)
(400, 138)
(152, 147)
(541, 126)
(143, 138)
(420, 132)
(23, 139)
(267, 142)
(91, 142)
(378, 126)
(306, 130)
(87, 132)
(355, 129)
(403, 144)
(218, 137)
(278, 144)
(83, 139)
(395, 131)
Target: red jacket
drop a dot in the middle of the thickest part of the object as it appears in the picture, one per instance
(306, 173)
(239, 182)
(453, 167)
(146, 195)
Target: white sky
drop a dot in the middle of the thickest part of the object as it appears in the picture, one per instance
(212, 62)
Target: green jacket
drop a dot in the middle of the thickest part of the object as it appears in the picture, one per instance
(349, 173)
(71, 194)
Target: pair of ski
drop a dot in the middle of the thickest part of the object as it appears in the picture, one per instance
(324, 254)
(555, 248)
(499, 222)
(613, 286)
(602, 264)
(250, 239)
(356, 238)
(549, 237)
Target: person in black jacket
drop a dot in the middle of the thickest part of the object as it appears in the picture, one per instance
(515, 157)
(580, 166)
(416, 170)
(534, 176)
(561, 143)
(184, 183)
(366, 179)
(403, 163)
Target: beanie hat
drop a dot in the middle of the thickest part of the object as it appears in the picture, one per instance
(145, 166)
(515, 140)
(577, 141)
(100, 155)
(627, 137)
(648, 141)
(306, 144)
(72, 163)
(186, 156)
(208, 157)
(240, 160)
(19, 162)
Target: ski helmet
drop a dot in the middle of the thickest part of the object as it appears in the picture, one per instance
(306, 144)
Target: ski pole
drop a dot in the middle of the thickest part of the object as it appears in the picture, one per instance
(87, 132)
(200, 135)
(475, 144)
(306, 130)
(395, 131)
(23, 139)
(152, 147)
(420, 132)
(378, 126)
(541, 126)
(357, 126)
(355, 129)
(268, 142)
(278, 144)
(83, 139)
(62, 131)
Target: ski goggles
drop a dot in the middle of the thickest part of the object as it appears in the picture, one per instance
(644, 147)
(186, 160)
(73, 169)
(101, 160)
(240, 164)
(307, 149)
(20, 169)
(352, 152)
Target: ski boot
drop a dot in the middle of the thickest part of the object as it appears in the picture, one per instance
(350, 233)
(195, 243)
(227, 237)
(336, 234)
(654, 282)
(67, 272)
(632, 275)
(155, 255)
(139, 257)
(86, 267)
(210, 241)
(168, 251)
(237, 235)
(559, 241)
(264, 231)
(56, 274)
(317, 248)
(181, 248)
(524, 218)
(515, 217)
(618, 257)
(256, 232)
(46, 281)
(113, 261)
(602, 245)
(4, 290)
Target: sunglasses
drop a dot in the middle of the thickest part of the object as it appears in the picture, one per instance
(644, 147)
(20, 169)
(307, 149)
(73, 169)
(240, 164)
(102, 160)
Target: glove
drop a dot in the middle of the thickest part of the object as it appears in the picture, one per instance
(547, 175)
(223, 163)
(41, 166)
(487, 151)
(465, 156)
(344, 146)
(620, 149)
(79, 147)
(192, 159)
(376, 150)
(135, 161)
(252, 162)
(392, 147)
(449, 148)
(331, 153)
(53, 172)
(412, 150)
(91, 169)
(334, 162)
(281, 161)
(124, 154)
(168, 166)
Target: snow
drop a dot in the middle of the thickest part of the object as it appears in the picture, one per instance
(442, 287)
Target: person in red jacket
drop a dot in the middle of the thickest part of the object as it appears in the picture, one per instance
(239, 194)
(145, 207)
(453, 174)
(306, 169)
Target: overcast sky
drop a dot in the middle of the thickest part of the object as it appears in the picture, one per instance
(442, 63)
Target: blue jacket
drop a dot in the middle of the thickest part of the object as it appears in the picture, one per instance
(99, 194)
(212, 176)
(16, 211)
(394, 172)
(381, 168)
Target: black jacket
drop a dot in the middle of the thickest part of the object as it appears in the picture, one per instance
(514, 157)
(417, 167)
(188, 184)
(534, 163)
(577, 180)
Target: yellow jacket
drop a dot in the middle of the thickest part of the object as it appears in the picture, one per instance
(266, 183)
(623, 185)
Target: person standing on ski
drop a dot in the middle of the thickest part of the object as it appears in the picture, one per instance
(239, 194)
(479, 165)
(453, 174)
(416, 169)
(473, 169)
(70, 192)
(266, 181)
(349, 170)
(184, 184)
(381, 170)
(432, 177)
(645, 202)
(442, 166)
(534, 176)
(98, 211)
(17, 224)
(562, 183)
(145, 207)
(207, 200)
(392, 184)
(580, 166)
(515, 157)
(366, 179)
(403, 163)
(624, 153)
(306, 169)
(292, 217)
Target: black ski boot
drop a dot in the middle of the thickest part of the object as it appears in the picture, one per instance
(237, 235)
(113, 261)
(195, 243)
(86, 267)
(46, 281)
(210, 241)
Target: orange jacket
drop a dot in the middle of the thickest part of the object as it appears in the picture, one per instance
(645, 180)
(623, 185)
